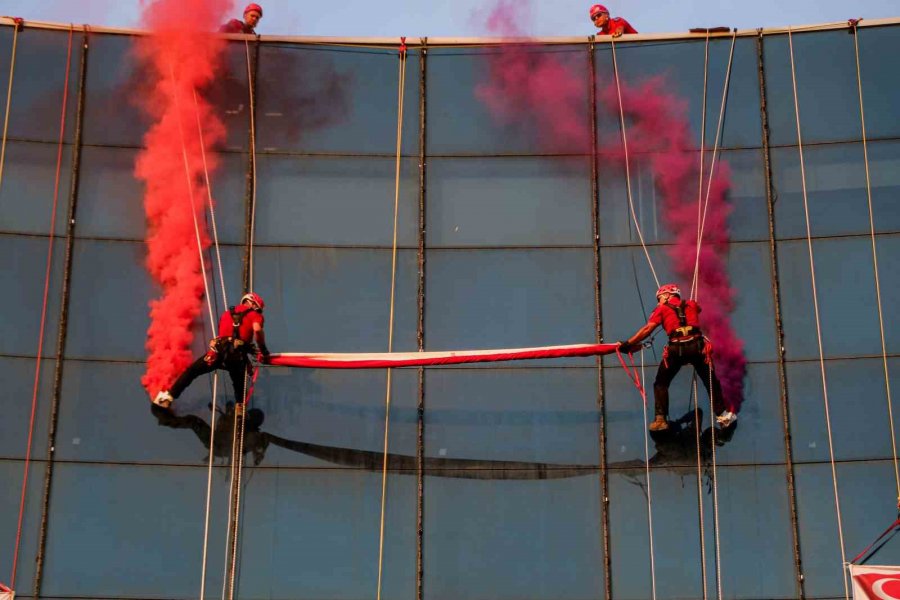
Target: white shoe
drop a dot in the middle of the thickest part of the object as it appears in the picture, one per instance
(163, 399)
(726, 419)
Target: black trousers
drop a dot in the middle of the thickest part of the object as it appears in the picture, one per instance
(236, 363)
(680, 354)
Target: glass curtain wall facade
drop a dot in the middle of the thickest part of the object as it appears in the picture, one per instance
(501, 244)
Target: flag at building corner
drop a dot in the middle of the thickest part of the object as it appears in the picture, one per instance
(875, 583)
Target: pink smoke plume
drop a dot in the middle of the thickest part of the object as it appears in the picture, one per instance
(536, 89)
(533, 89)
(181, 56)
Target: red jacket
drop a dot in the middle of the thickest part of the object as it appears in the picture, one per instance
(236, 26)
(668, 318)
(613, 23)
(226, 326)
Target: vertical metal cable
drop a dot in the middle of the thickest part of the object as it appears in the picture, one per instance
(63, 320)
(779, 326)
(598, 325)
(250, 193)
(420, 326)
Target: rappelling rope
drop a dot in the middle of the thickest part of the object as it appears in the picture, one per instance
(647, 474)
(638, 381)
(212, 322)
(387, 402)
(700, 510)
(637, 225)
(12, 71)
(887, 382)
(237, 445)
(702, 149)
(252, 161)
(712, 168)
(812, 272)
(214, 404)
(40, 348)
(210, 204)
(715, 484)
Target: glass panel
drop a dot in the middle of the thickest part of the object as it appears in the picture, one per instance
(346, 201)
(111, 289)
(754, 533)
(748, 218)
(474, 539)
(868, 498)
(857, 403)
(12, 473)
(835, 186)
(110, 202)
(758, 437)
(746, 548)
(845, 283)
(36, 107)
(677, 68)
(18, 383)
(552, 115)
(881, 93)
(509, 201)
(509, 298)
(825, 65)
(285, 510)
(335, 100)
(331, 300)
(107, 551)
(22, 280)
(29, 180)
(676, 536)
(341, 411)
(888, 248)
(527, 415)
(884, 170)
(114, 80)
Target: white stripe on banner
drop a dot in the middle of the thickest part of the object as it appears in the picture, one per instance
(875, 583)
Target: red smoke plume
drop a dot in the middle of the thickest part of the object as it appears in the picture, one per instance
(181, 56)
(536, 89)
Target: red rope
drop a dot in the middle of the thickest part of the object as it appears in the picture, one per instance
(878, 539)
(632, 374)
(37, 368)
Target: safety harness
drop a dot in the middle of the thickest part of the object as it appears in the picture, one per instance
(228, 345)
(686, 333)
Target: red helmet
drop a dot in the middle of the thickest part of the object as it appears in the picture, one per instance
(253, 298)
(254, 6)
(597, 9)
(669, 288)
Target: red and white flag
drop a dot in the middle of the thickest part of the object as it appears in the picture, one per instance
(875, 583)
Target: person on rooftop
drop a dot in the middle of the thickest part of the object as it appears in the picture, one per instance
(252, 15)
(614, 26)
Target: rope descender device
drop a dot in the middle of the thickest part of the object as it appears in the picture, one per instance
(402, 48)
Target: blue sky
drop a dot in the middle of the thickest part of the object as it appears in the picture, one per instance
(440, 18)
